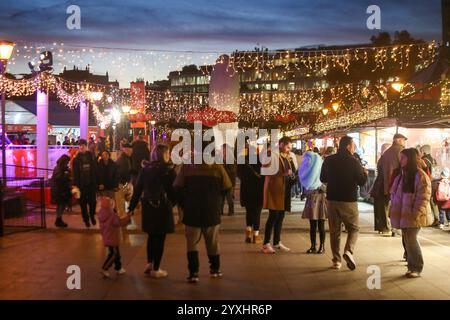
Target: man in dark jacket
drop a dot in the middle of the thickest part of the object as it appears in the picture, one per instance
(343, 174)
(85, 178)
(108, 178)
(202, 187)
(140, 152)
(124, 164)
(386, 166)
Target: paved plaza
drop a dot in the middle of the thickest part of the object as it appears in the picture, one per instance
(33, 266)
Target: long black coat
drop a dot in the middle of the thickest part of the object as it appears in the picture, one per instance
(154, 189)
(61, 186)
(252, 185)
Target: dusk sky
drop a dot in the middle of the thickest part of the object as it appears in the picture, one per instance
(199, 25)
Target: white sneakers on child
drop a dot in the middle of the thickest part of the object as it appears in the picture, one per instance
(160, 273)
(121, 271)
(105, 273)
(148, 269)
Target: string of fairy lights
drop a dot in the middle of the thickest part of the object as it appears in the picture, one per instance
(165, 106)
(323, 60)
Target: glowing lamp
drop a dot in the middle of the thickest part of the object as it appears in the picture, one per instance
(6, 49)
(335, 106)
(397, 86)
(325, 111)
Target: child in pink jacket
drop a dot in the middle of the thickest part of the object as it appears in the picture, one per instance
(110, 224)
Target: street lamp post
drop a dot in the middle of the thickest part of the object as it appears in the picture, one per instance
(153, 122)
(6, 48)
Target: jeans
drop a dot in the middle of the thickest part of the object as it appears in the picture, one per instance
(155, 249)
(253, 217)
(113, 258)
(88, 197)
(338, 213)
(412, 246)
(313, 225)
(442, 213)
(275, 222)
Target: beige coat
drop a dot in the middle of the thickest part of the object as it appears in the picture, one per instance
(411, 210)
(274, 188)
(390, 161)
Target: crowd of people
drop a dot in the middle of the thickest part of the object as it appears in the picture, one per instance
(402, 193)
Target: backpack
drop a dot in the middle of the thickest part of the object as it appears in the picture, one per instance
(443, 191)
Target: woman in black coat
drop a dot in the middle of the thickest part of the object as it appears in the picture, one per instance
(251, 194)
(154, 184)
(61, 188)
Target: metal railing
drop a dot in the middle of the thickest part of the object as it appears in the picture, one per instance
(22, 204)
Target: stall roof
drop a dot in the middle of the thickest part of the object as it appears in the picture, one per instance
(58, 114)
(432, 73)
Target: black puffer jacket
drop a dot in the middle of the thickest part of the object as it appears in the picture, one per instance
(154, 189)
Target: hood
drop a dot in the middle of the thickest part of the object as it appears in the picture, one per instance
(309, 172)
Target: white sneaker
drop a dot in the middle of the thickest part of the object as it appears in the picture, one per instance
(441, 226)
(336, 265)
(282, 247)
(348, 257)
(105, 273)
(267, 248)
(412, 274)
(148, 268)
(121, 271)
(160, 273)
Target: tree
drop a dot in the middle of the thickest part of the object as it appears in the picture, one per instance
(383, 39)
(403, 37)
(190, 68)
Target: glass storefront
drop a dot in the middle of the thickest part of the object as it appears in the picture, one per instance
(370, 143)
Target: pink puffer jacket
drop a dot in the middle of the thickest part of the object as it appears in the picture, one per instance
(411, 210)
(110, 224)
